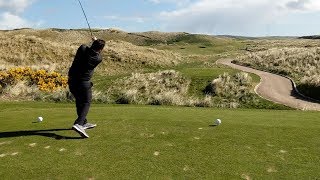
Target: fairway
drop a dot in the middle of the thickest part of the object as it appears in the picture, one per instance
(153, 142)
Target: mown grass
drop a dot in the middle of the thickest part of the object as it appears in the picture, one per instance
(139, 142)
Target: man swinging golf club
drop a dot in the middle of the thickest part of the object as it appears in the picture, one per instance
(80, 73)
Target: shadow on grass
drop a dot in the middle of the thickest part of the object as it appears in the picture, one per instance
(214, 125)
(46, 133)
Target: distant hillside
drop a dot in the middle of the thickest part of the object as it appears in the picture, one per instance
(310, 37)
(75, 36)
(82, 35)
(125, 52)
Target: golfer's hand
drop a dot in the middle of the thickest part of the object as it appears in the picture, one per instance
(94, 38)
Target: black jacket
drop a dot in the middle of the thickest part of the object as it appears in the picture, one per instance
(83, 64)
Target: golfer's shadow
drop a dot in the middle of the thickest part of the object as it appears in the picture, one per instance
(46, 133)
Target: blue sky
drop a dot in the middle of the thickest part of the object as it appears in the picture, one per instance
(233, 17)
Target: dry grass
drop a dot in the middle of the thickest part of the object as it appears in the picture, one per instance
(80, 36)
(300, 60)
(127, 53)
(22, 91)
(54, 50)
(161, 88)
(231, 91)
(21, 50)
(265, 44)
(302, 64)
(170, 88)
(19, 91)
(159, 37)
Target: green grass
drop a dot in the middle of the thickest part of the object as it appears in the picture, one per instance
(122, 146)
(192, 44)
(201, 77)
(102, 82)
(202, 48)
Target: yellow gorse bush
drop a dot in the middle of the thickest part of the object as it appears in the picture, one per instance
(46, 81)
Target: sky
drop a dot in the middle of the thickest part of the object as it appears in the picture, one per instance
(215, 17)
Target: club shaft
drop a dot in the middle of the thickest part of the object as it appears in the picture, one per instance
(84, 13)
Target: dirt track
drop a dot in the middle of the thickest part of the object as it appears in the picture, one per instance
(276, 88)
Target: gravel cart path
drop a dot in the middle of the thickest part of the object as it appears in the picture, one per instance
(276, 88)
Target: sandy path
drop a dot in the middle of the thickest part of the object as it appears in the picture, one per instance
(276, 88)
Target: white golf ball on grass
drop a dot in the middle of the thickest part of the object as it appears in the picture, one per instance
(218, 122)
(40, 119)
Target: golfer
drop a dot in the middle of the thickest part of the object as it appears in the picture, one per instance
(80, 73)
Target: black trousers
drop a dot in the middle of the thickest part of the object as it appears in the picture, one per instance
(82, 91)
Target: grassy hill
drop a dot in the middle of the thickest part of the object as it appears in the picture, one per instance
(192, 55)
(55, 50)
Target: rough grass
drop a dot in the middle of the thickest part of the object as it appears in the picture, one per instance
(173, 88)
(32, 51)
(139, 142)
(161, 88)
(54, 50)
(126, 53)
(77, 36)
(201, 77)
(262, 44)
(236, 89)
(22, 91)
(301, 64)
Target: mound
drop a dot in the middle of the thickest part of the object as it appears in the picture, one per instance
(22, 50)
(54, 50)
(166, 87)
(128, 53)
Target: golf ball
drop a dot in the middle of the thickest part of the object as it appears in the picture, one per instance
(218, 121)
(40, 119)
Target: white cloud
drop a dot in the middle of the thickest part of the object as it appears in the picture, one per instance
(10, 17)
(299, 4)
(132, 19)
(177, 2)
(11, 21)
(239, 17)
(303, 5)
(16, 6)
(155, 1)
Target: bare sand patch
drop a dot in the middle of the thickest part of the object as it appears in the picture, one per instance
(2, 155)
(14, 153)
(32, 144)
(271, 169)
(245, 176)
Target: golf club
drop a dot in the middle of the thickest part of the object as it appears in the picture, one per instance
(84, 13)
